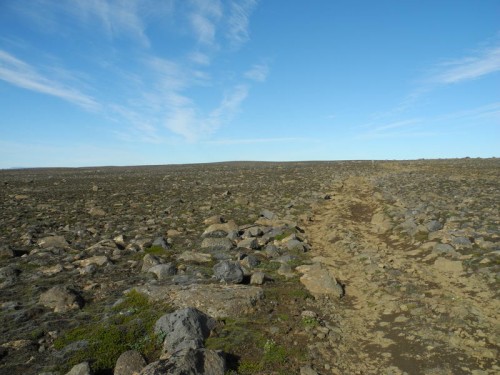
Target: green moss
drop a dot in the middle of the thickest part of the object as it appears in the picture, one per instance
(130, 327)
(310, 322)
(156, 250)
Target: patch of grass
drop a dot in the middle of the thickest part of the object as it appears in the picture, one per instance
(131, 327)
(156, 250)
(310, 322)
(285, 234)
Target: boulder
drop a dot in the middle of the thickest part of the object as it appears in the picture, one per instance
(192, 256)
(53, 241)
(217, 300)
(163, 271)
(161, 242)
(129, 363)
(61, 299)
(184, 329)
(319, 280)
(220, 230)
(80, 369)
(229, 272)
(217, 244)
(249, 243)
(189, 362)
(149, 261)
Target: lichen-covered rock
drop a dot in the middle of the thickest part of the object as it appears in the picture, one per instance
(189, 362)
(129, 363)
(184, 329)
(61, 299)
(229, 272)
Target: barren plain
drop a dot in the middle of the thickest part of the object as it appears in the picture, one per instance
(386, 267)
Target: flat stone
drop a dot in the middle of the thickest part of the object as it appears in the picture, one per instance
(192, 256)
(98, 260)
(163, 271)
(53, 241)
(319, 280)
(217, 244)
(217, 300)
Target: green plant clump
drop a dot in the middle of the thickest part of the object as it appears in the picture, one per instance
(130, 327)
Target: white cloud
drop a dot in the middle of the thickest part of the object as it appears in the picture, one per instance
(203, 18)
(238, 21)
(258, 72)
(259, 140)
(467, 68)
(21, 74)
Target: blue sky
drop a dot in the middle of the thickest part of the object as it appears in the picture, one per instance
(95, 82)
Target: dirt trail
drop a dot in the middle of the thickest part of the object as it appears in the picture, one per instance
(404, 311)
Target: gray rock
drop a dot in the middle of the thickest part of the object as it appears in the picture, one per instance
(433, 226)
(161, 242)
(229, 272)
(249, 243)
(61, 299)
(272, 251)
(53, 241)
(192, 256)
(217, 244)
(80, 369)
(129, 363)
(253, 232)
(461, 243)
(268, 215)
(250, 261)
(447, 249)
(217, 300)
(189, 362)
(184, 329)
(220, 230)
(163, 271)
(149, 261)
(257, 278)
(296, 245)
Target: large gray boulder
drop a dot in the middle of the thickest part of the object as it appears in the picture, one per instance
(229, 272)
(189, 362)
(184, 329)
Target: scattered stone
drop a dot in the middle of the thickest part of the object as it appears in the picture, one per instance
(61, 299)
(319, 280)
(220, 230)
(98, 260)
(192, 256)
(307, 370)
(80, 369)
(249, 243)
(163, 271)
(96, 211)
(257, 278)
(129, 363)
(53, 241)
(269, 215)
(433, 226)
(149, 261)
(161, 242)
(217, 244)
(229, 272)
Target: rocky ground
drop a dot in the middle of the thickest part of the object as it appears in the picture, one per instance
(252, 268)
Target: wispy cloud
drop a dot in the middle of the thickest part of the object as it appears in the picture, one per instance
(21, 74)
(238, 21)
(258, 72)
(260, 140)
(486, 61)
(204, 18)
(403, 128)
